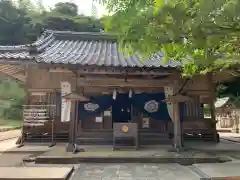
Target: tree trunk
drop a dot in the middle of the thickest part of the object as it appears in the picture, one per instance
(178, 140)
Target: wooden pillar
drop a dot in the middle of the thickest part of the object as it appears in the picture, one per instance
(27, 96)
(71, 130)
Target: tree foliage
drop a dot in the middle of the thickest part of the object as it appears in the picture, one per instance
(22, 21)
(13, 96)
(67, 8)
(14, 24)
(203, 34)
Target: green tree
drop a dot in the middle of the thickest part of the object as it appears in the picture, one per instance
(14, 94)
(15, 25)
(30, 20)
(22, 22)
(203, 34)
(66, 8)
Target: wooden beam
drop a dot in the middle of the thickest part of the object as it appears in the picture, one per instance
(111, 82)
(59, 70)
(37, 93)
(130, 78)
(179, 98)
(120, 85)
(114, 70)
(41, 90)
(198, 92)
(126, 72)
(125, 76)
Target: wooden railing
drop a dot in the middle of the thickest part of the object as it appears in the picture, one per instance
(225, 122)
(35, 117)
(38, 114)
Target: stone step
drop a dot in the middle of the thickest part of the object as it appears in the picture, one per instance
(35, 173)
(109, 141)
(110, 134)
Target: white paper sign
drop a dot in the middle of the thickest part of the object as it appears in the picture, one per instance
(98, 120)
(66, 105)
(145, 122)
(107, 113)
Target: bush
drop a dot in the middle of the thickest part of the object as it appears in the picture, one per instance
(12, 93)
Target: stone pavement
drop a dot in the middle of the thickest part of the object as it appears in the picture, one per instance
(10, 159)
(138, 171)
(32, 173)
(222, 146)
(147, 154)
(234, 137)
(134, 172)
(128, 171)
(219, 171)
(13, 156)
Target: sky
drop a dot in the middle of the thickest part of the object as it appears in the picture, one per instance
(85, 6)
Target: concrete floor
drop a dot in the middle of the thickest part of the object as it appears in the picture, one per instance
(9, 134)
(13, 159)
(6, 145)
(139, 171)
(136, 171)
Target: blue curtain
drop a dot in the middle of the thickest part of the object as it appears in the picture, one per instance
(139, 100)
(121, 108)
(104, 102)
(181, 109)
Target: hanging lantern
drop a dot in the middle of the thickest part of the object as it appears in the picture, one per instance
(114, 94)
(130, 93)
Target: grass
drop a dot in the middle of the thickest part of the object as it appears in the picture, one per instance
(10, 122)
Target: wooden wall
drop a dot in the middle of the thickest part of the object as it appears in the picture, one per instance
(43, 81)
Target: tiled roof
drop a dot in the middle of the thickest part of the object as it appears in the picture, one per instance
(15, 52)
(221, 102)
(64, 47)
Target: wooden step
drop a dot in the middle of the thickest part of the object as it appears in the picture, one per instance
(36, 117)
(33, 124)
(35, 110)
(46, 137)
(35, 121)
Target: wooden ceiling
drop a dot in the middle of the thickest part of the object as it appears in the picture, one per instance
(14, 71)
